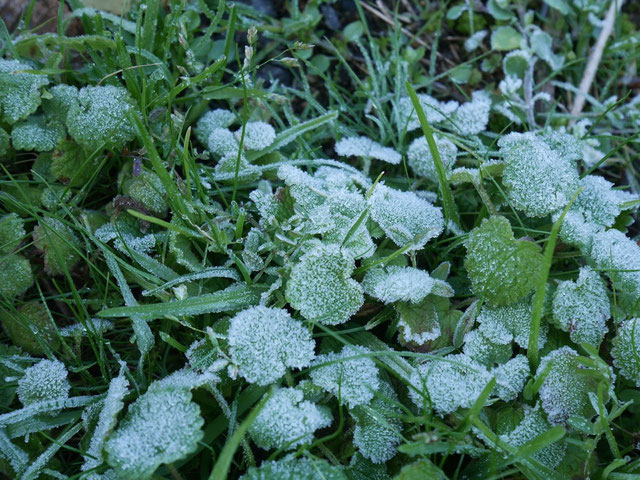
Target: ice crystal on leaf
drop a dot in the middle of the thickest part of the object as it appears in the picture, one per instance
(472, 117)
(599, 202)
(509, 323)
(226, 169)
(19, 92)
(396, 283)
(257, 135)
(485, 350)
(264, 342)
(222, 142)
(37, 133)
(147, 189)
(501, 268)
(59, 244)
(101, 117)
(12, 232)
(582, 307)
(46, 380)
(292, 468)
(161, 426)
(207, 123)
(62, 98)
(420, 159)
(15, 275)
(92, 326)
(287, 420)
(405, 217)
(321, 287)
(537, 178)
(511, 378)
(353, 379)
(434, 110)
(626, 350)
(31, 328)
(367, 148)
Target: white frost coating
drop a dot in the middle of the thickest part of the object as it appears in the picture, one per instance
(264, 342)
(321, 287)
(353, 379)
(487, 351)
(537, 179)
(37, 133)
(405, 217)
(472, 117)
(509, 323)
(576, 230)
(420, 159)
(451, 382)
(434, 110)
(365, 147)
(94, 326)
(626, 350)
(225, 169)
(20, 91)
(218, 118)
(511, 377)
(292, 468)
(222, 142)
(475, 40)
(287, 420)
(125, 238)
(582, 307)
(46, 380)
(599, 202)
(397, 283)
(257, 135)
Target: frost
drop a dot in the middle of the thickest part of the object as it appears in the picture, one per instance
(487, 351)
(472, 117)
(264, 342)
(576, 230)
(146, 188)
(448, 383)
(626, 350)
(542, 45)
(292, 468)
(4, 142)
(31, 328)
(537, 178)
(93, 326)
(62, 98)
(161, 426)
(46, 380)
(475, 40)
(125, 238)
(15, 275)
(501, 269)
(599, 202)
(434, 110)
(405, 217)
(421, 161)
(532, 425)
(207, 123)
(58, 242)
(367, 148)
(582, 307)
(352, 379)
(226, 169)
(101, 117)
(565, 145)
(222, 142)
(321, 287)
(511, 378)
(12, 232)
(398, 283)
(257, 135)
(287, 420)
(37, 133)
(19, 92)
(510, 323)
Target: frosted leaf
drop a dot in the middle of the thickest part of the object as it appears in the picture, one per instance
(264, 342)
(4, 142)
(125, 238)
(434, 110)
(253, 245)
(37, 133)
(101, 117)
(353, 379)
(361, 468)
(321, 287)
(226, 167)
(501, 269)
(161, 426)
(485, 350)
(257, 135)
(12, 232)
(58, 242)
(451, 382)
(576, 231)
(292, 468)
(341, 179)
(509, 323)
(62, 98)
(222, 142)
(287, 420)
(421, 161)
(538, 180)
(542, 44)
(532, 425)
(565, 390)
(366, 148)
(418, 323)
(305, 189)
(626, 350)
(510, 85)
(582, 307)
(15, 275)
(92, 326)
(183, 379)
(472, 117)
(147, 189)
(598, 202)
(565, 145)
(405, 217)
(397, 283)
(46, 380)
(475, 40)
(515, 63)
(378, 427)
(19, 92)
(31, 328)
(511, 378)
(207, 123)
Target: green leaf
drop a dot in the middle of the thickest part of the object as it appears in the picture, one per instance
(420, 470)
(505, 39)
(353, 31)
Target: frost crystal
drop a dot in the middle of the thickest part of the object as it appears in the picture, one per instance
(509, 323)
(538, 180)
(62, 98)
(501, 268)
(365, 147)
(511, 378)
(101, 117)
(46, 380)
(147, 189)
(320, 286)
(599, 202)
(287, 420)
(19, 92)
(94, 326)
(421, 161)
(292, 468)
(397, 283)
(37, 133)
(264, 342)
(472, 117)
(626, 350)
(257, 135)
(218, 118)
(15, 275)
(582, 307)
(485, 350)
(405, 217)
(222, 142)
(226, 169)
(11, 232)
(451, 382)
(162, 426)
(353, 379)
(434, 110)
